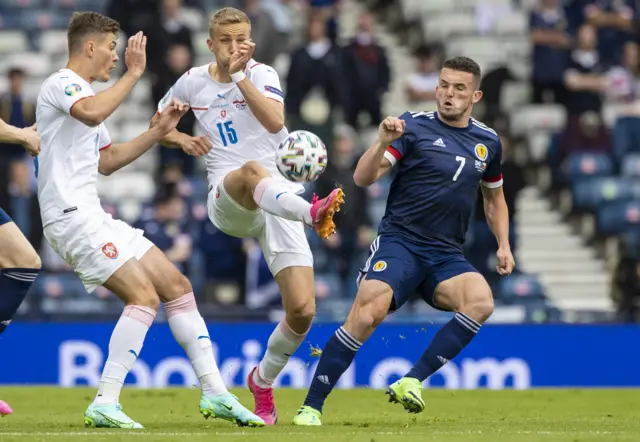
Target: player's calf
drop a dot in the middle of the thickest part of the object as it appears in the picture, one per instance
(368, 311)
(19, 267)
(469, 295)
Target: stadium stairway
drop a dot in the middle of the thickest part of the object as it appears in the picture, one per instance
(573, 277)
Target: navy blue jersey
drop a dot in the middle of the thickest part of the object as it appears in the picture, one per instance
(439, 169)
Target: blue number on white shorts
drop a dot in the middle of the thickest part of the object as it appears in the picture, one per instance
(231, 135)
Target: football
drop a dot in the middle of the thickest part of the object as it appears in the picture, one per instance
(301, 157)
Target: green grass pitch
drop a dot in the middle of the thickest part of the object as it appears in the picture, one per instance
(55, 414)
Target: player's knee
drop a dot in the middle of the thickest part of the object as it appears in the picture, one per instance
(146, 296)
(28, 260)
(186, 284)
(480, 307)
(253, 172)
(303, 311)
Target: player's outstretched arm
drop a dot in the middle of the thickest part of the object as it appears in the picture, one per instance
(270, 113)
(195, 146)
(372, 165)
(497, 215)
(122, 154)
(94, 110)
(27, 137)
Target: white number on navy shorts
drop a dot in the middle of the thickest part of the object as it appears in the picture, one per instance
(461, 160)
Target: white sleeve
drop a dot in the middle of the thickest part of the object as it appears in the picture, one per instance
(65, 91)
(177, 91)
(105, 138)
(266, 80)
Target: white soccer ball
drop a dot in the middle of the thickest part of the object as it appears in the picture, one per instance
(301, 157)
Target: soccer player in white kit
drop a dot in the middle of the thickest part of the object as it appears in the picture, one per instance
(75, 147)
(239, 104)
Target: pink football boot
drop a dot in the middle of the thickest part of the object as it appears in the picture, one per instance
(322, 212)
(265, 404)
(5, 409)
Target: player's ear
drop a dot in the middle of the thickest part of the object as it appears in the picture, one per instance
(477, 96)
(210, 44)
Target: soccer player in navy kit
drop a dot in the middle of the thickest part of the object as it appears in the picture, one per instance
(441, 159)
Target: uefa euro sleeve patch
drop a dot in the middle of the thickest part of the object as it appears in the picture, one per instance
(274, 90)
(72, 89)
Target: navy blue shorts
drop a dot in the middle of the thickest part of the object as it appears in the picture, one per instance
(413, 270)
(4, 218)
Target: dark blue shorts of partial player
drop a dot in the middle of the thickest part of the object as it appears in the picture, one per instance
(4, 218)
(413, 270)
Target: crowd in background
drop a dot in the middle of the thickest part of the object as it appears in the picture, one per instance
(584, 52)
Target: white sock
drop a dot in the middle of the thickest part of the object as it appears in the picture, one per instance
(283, 342)
(190, 331)
(277, 199)
(124, 348)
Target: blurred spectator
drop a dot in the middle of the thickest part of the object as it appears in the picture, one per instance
(584, 77)
(613, 20)
(551, 43)
(329, 9)
(624, 94)
(368, 73)
(269, 42)
(587, 133)
(168, 31)
(134, 15)
(22, 203)
(353, 227)
(626, 285)
(178, 61)
(315, 70)
(15, 111)
(421, 86)
(168, 228)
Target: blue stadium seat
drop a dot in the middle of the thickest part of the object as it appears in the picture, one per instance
(618, 217)
(589, 193)
(631, 166)
(521, 288)
(580, 165)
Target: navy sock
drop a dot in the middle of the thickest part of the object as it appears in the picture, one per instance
(336, 358)
(446, 344)
(14, 285)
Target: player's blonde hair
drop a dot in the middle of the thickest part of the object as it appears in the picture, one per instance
(227, 16)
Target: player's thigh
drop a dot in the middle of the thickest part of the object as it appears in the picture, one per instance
(240, 184)
(130, 283)
(15, 249)
(372, 304)
(169, 283)
(458, 286)
(96, 246)
(231, 217)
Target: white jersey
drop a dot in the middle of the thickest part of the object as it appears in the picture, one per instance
(69, 150)
(224, 115)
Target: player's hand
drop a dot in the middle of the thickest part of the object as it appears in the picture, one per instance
(506, 263)
(390, 130)
(31, 140)
(170, 116)
(135, 55)
(196, 146)
(241, 56)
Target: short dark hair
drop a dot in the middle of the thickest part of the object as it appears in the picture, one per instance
(83, 24)
(464, 64)
(16, 72)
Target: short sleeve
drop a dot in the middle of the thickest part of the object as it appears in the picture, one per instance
(65, 91)
(178, 91)
(400, 147)
(105, 138)
(266, 80)
(492, 177)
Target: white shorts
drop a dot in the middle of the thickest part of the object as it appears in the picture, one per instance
(95, 245)
(283, 242)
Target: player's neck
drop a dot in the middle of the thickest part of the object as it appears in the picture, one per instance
(218, 74)
(80, 69)
(461, 123)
